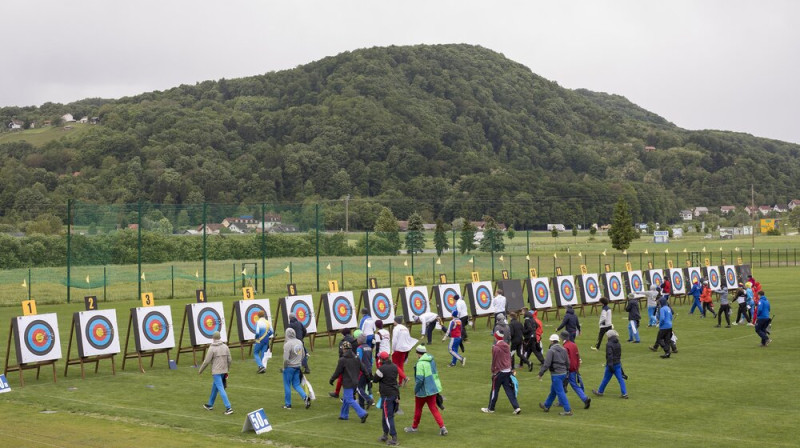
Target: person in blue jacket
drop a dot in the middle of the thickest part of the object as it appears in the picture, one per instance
(762, 319)
(695, 292)
(570, 323)
(664, 338)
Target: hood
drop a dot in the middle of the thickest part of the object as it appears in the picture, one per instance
(290, 334)
(570, 310)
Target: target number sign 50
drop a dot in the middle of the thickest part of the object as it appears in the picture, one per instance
(4, 386)
(257, 421)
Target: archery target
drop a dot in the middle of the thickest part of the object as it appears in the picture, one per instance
(97, 332)
(656, 277)
(714, 279)
(539, 295)
(205, 318)
(446, 298)
(153, 328)
(565, 290)
(340, 309)
(414, 300)
(246, 311)
(379, 301)
(678, 283)
(590, 288)
(694, 275)
(37, 338)
(303, 309)
(480, 297)
(613, 284)
(634, 281)
(731, 281)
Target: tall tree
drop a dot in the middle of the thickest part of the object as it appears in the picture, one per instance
(415, 237)
(466, 241)
(440, 241)
(492, 236)
(386, 227)
(621, 231)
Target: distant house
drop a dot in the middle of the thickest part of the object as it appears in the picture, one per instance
(402, 225)
(725, 209)
(210, 229)
(133, 226)
(777, 208)
(559, 227)
(481, 225)
(15, 124)
(794, 203)
(649, 148)
(271, 220)
(67, 118)
(84, 120)
(233, 227)
(241, 223)
(429, 227)
(699, 211)
(750, 210)
(94, 120)
(686, 215)
(191, 232)
(764, 209)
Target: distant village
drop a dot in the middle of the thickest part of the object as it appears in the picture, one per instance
(19, 125)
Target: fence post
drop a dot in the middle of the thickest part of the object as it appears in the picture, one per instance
(139, 246)
(172, 272)
(205, 254)
(366, 280)
(104, 284)
(263, 248)
(316, 218)
(454, 256)
(69, 250)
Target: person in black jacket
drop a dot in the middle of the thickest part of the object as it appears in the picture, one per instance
(516, 342)
(530, 337)
(632, 307)
(346, 337)
(613, 365)
(349, 367)
(571, 323)
(300, 333)
(386, 377)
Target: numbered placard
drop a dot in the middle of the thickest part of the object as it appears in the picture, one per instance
(148, 299)
(291, 289)
(248, 293)
(90, 302)
(558, 270)
(29, 307)
(607, 267)
(476, 277)
(409, 280)
(373, 283)
(443, 278)
(628, 266)
(257, 422)
(669, 264)
(532, 272)
(584, 270)
(4, 386)
(200, 295)
(333, 285)
(504, 274)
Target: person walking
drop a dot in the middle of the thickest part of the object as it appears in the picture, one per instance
(664, 337)
(515, 338)
(454, 333)
(350, 369)
(557, 362)
(532, 337)
(499, 304)
(364, 355)
(634, 315)
(571, 323)
(651, 296)
(300, 334)
(463, 314)
(293, 353)
(219, 357)
(346, 337)
(666, 287)
(762, 319)
(261, 341)
(367, 325)
(382, 341)
(741, 301)
(402, 343)
(604, 322)
(574, 375)
(705, 298)
(613, 365)
(751, 304)
(427, 387)
(502, 371)
(695, 292)
(724, 307)
(386, 377)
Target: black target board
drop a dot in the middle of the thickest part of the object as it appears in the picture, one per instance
(512, 290)
(97, 332)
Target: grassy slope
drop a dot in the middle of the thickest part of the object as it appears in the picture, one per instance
(40, 136)
(717, 391)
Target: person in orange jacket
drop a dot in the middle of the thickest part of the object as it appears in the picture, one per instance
(705, 299)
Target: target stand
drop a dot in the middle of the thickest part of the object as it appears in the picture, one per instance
(20, 367)
(81, 360)
(331, 335)
(139, 354)
(241, 345)
(191, 348)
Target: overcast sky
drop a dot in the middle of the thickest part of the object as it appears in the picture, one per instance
(724, 64)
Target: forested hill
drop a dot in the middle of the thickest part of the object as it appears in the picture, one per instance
(446, 130)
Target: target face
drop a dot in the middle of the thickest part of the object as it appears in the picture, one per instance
(414, 301)
(656, 277)
(590, 291)
(635, 281)
(206, 318)
(340, 310)
(713, 277)
(446, 299)
(694, 275)
(153, 328)
(36, 338)
(678, 284)
(380, 304)
(539, 296)
(565, 290)
(97, 332)
(614, 288)
(480, 297)
(730, 277)
(303, 309)
(246, 312)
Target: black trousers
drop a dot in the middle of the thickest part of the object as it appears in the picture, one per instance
(502, 379)
(742, 312)
(429, 330)
(388, 408)
(726, 310)
(664, 339)
(517, 349)
(533, 347)
(603, 331)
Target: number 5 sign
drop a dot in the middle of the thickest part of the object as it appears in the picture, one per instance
(257, 421)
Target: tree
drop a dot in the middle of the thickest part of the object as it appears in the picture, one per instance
(466, 242)
(492, 236)
(593, 230)
(794, 218)
(621, 232)
(440, 240)
(415, 237)
(386, 227)
(511, 233)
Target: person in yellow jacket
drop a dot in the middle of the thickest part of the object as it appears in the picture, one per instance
(261, 342)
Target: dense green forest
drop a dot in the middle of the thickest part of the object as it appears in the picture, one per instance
(447, 131)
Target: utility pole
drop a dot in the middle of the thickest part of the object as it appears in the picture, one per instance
(753, 211)
(347, 214)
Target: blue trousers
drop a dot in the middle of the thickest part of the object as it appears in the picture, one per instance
(651, 312)
(615, 370)
(557, 390)
(698, 305)
(633, 325)
(349, 402)
(259, 348)
(578, 388)
(453, 348)
(291, 379)
(761, 330)
(388, 408)
(216, 387)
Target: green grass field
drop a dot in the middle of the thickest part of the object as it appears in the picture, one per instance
(721, 389)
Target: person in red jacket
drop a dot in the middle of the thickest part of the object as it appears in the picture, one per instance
(502, 370)
(666, 287)
(574, 375)
(705, 299)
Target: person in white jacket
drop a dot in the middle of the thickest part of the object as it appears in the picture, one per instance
(604, 322)
(428, 321)
(402, 343)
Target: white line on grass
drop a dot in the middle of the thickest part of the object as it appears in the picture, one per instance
(8, 435)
